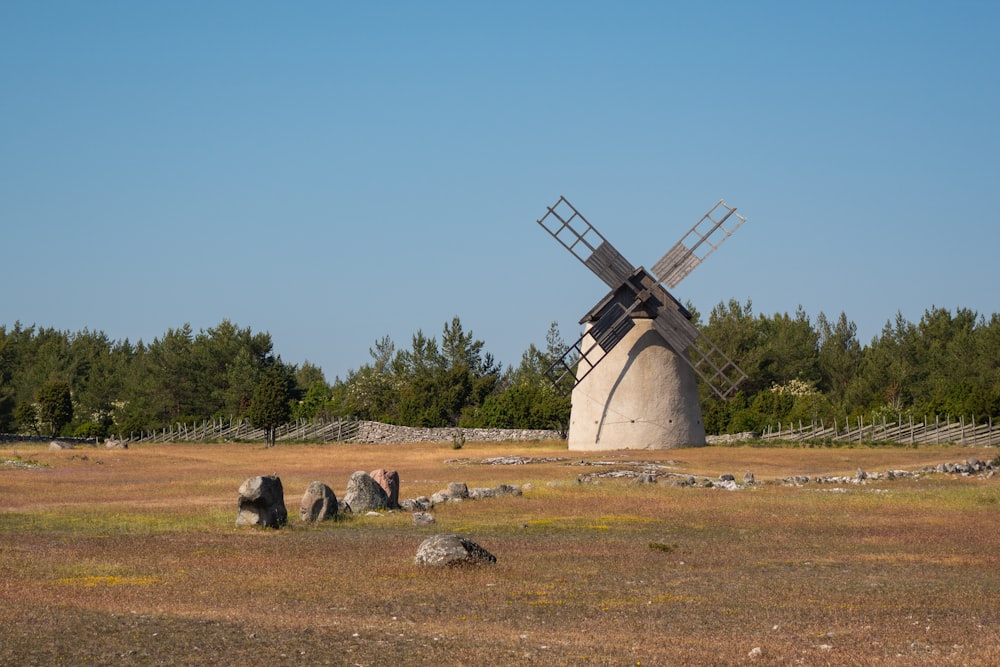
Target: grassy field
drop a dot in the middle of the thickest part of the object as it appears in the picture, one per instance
(132, 557)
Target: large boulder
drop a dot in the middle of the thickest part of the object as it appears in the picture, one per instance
(262, 503)
(389, 481)
(445, 550)
(364, 494)
(318, 503)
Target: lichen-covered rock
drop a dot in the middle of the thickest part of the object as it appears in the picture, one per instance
(318, 503)
(458, 490)
(416, 504)
(389, 481)
(422, 518)
(446, 550)
(364, 494)
(262, 503)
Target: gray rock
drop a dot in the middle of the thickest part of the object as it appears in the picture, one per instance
(262, 503)
(55, 444)
(423, 519)
(749, 479)
(116, 444)
(416, 504)
(364, 494)
(458, 490)
(318, 503)
(446, 550)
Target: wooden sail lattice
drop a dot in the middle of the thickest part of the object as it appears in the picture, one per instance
(641, 293)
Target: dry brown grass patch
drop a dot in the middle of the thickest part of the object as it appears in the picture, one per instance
(108, 557)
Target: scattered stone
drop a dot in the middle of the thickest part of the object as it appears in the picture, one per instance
(727, 478)
(644, 478)
(318, 503)
(389, 481)
(55, 444)
(416, 504)
(116, 444)
(506, 490)
(262, 503)
(754, 653)
(422, 518)
(519, 460)
(364, 494)
(446, 550)
(749, 479)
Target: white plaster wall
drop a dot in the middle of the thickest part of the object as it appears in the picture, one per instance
(642, 395)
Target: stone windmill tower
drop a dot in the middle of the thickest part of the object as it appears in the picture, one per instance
(632, 372)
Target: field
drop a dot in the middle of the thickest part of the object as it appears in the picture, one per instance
(132, 557)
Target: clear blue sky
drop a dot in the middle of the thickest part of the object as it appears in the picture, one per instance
(334, 172)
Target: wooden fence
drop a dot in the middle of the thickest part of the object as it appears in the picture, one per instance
(305, 430)
(902, 431)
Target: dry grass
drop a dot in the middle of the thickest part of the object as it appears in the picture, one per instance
(132, 557)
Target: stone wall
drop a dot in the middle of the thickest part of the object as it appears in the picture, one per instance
(375, 432)
(16, 437)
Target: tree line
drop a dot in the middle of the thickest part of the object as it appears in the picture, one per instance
(85, 384)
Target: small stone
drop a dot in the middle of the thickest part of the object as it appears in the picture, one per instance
(423, 518)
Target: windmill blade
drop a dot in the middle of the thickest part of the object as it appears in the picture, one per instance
(590, 348)
(577, 235)
(701, 241)
(710, 363)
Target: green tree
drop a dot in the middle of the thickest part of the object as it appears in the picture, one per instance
(527, 398)
(269, 407)
(55, 405)
(839, 359)
(26, 418)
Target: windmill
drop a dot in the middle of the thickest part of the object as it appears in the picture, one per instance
(632, 372)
